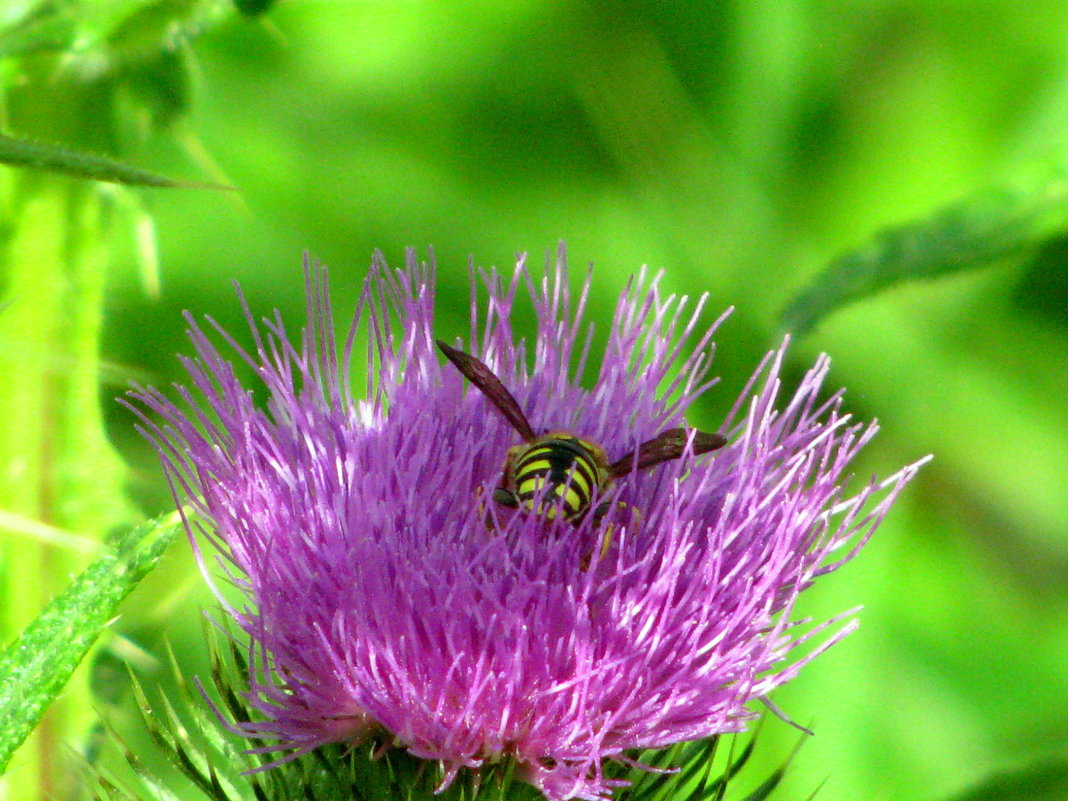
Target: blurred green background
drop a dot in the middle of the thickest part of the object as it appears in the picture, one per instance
(738, 146)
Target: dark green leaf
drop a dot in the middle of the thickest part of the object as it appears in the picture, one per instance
(1043, 781)
(162, 85)
(1043, 289)
(112, 34)
(999, 221)
(35, 667)
(54, 158)
(253, 8)
(44, 30)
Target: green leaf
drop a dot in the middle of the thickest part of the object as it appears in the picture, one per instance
(253, 8)
(1002, 220)
(54, 158)
(112, 34)
(35, 667)
(1043, 287)
(1044, 781)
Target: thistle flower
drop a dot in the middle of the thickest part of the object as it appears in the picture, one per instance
(388, 595)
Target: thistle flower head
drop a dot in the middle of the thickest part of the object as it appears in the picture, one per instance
(389, 595)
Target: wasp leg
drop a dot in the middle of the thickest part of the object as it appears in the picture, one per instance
(483, 512)
(506, 497)
(501, 496)
(606, 539)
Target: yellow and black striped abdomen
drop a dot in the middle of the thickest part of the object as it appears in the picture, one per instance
(567, 466)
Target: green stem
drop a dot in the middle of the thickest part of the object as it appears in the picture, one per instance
(58, 467)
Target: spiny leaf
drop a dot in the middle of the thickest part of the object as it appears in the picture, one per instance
(34, 668)
(80, 164)
(1002, 220)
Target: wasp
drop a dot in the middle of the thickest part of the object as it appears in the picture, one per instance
(559, 473)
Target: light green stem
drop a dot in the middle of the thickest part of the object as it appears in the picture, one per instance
(57, 465)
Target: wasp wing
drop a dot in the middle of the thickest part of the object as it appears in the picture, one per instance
(664, 447)
(482, 377)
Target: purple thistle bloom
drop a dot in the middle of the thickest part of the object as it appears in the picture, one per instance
(382, 603)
